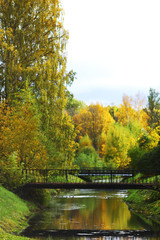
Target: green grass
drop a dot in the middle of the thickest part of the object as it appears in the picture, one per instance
(7, 236)
(146, 202)
(13, 215)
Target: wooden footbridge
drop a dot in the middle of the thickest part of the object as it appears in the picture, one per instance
(90, 179)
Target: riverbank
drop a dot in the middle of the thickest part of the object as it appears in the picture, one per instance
(146, 203)
(14, 213)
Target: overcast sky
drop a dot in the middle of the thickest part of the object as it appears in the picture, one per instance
(114, 47)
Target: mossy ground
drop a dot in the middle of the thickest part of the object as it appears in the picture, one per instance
(13, 215)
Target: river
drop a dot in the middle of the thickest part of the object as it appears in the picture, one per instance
(90, 214)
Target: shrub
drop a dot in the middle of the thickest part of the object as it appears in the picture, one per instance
(11, 173)
(88, 158)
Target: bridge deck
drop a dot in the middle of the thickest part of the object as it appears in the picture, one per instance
(90, 179)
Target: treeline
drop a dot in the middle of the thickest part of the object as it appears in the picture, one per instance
(118, 136)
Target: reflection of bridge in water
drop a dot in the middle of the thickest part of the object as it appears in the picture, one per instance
(91, 179)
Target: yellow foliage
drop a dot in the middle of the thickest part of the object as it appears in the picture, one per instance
(32, 43)
(126, 113)
(85, 141)
(19, 133)
(102, 145)
(149, 139)
(92, 121)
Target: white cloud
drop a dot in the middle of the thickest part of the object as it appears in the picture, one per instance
(113, 43)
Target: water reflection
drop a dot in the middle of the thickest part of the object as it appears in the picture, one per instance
(104, 238)
(90, 210)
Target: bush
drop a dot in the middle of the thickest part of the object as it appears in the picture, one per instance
(110, 165)
(136, 154)
(11, 174)
(145, 160)
(88, 158)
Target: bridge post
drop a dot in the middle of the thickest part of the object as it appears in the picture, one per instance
(66, 173)
(111, 176)
(46, 175)
(26, 174)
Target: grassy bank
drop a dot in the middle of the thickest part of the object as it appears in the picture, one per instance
(13, 215)
(145, 202)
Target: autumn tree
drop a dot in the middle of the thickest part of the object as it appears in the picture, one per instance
(85, 142)
(19, 133)
(125, 112)
(87, 157)
(32, 48)
(141, 153)
(153, 109)
(64, 139)
(132, 110)
(118, 142)
(73, 106)
(92, 121)
(102, 145)
(112, 111)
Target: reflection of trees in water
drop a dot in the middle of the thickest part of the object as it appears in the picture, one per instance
(141, 220)
(99, 213)
(88, 213)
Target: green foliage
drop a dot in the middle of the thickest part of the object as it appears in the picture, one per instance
(148, 140)
(146, 153)
(142, 159)
(135, 128)
(11, 172)
(112, 111)
(88, 158)
(4, 235)
(110, 164)
(153, 105)
(136, 154)
(52, 153)
(73, 106)
(149, 160)
(118, 143)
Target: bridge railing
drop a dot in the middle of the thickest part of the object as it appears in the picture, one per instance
(90, 175)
